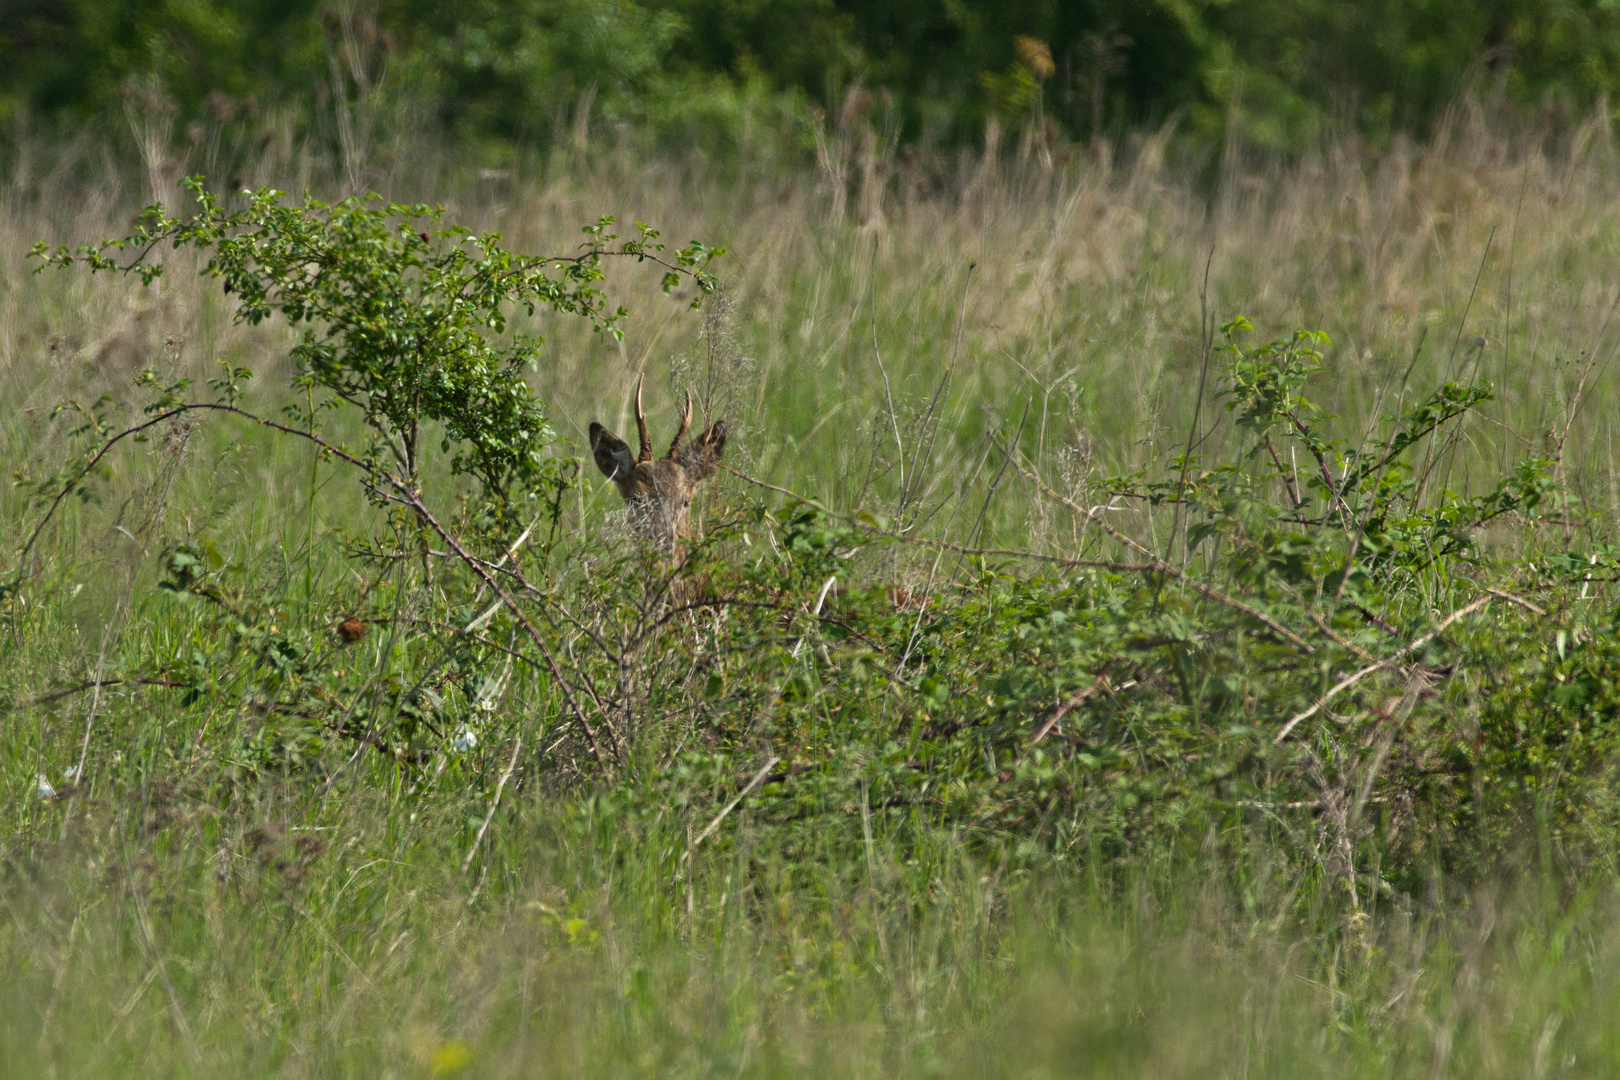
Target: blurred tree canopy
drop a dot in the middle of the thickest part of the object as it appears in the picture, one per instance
(520, 70)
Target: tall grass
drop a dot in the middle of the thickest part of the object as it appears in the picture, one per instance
(297, 928)
(144, 950)
(1484, 252)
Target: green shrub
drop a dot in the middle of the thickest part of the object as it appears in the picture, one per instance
(1321, 651)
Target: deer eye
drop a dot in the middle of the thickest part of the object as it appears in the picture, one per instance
(686, 502)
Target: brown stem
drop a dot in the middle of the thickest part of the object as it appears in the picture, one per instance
(1162, 567)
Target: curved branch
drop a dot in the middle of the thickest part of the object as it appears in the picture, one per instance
(195, 406)
(1162, 567)
(1407, 650)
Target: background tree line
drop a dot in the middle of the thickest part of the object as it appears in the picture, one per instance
(518, 71)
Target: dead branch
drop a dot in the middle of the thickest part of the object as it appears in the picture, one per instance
(759, 778)
(494, 803)
(58, 695)
(1391, 661)
(1073, 702)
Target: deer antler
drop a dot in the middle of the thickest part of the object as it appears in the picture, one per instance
(641, 426)
(686, 422)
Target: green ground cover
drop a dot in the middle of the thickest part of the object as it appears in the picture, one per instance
(1061, 684)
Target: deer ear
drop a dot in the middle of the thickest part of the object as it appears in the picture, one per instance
(701, 459)
(612, 454)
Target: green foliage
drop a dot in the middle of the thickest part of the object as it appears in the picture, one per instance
(403, 320)
(516, 67)
(405, 330)
(80, 57)
(1115, 711)
(289, 776)
(521, 70)
(1107, 708)
(801, 738)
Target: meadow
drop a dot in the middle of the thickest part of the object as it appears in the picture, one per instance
(908, 790)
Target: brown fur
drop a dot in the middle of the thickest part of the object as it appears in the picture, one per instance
(659, 491)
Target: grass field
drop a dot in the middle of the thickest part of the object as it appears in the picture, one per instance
(197, 905)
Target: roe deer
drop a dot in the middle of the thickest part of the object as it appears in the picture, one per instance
(658, 492)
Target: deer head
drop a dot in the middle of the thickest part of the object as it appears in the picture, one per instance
(658, 491)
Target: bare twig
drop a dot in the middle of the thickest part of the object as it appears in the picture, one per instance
(404, 493)
(1206, 335)
(978, 525)
(945, 545)
(414, 501)
(759, 778)
(1391, 661)
(370, 736)
(58, 695)
(928, 428)
(1510, 598)
(494, 804)
(169, 414)
(489, 612)
(1158, 565)
(888, 395)
(1073, 702)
